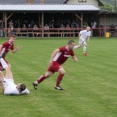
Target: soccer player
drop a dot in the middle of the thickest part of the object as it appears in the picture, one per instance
(5, 47)
(58, 57)
(7, 83)
(83, 36)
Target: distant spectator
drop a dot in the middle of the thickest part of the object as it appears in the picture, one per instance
(52, 30)
(16, 24)
(12, 30)
(24, 29)
(73, 24)
(29, 30)
(1, 28)
(10, 23)
(62, 28)
(46, 28)
(35, 29)
(112, 29)
(77, 30)
(32, 24)
(19, 23)
(94, 25)
(67, 30)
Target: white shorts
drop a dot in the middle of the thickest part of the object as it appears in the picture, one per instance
(6, 82)
(81, 42)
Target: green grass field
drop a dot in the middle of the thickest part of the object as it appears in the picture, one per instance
(90, 85)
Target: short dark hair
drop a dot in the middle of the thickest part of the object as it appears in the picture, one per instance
(12, 36)
(22, 87)
(71, 41)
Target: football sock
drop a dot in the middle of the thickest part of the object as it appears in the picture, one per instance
(84, 49)
(41, 78)
(60, 76)
(3, 62)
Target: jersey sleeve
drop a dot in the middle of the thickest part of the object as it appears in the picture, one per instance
(5, 44)
(89, 34)
(81, 32)
(12, 48)
(62, 49)
(72, 53)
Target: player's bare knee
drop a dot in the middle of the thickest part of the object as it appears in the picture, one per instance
(63, 72)
(8, 68)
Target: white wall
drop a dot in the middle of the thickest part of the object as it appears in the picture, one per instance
(94, 2)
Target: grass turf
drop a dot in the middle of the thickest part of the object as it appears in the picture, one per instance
(90, 85)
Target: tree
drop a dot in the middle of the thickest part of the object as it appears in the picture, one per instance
(107, 6)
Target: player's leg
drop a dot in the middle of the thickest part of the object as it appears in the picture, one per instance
(2, 85)
(79, 44)
(41, 78)
(7, 69)
(1, 75)
(59, 79)
(8, 77)
(84, 48)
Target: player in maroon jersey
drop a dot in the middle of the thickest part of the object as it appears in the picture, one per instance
(58, 57)
(6, 47)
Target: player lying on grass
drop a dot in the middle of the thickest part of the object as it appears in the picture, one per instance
(5, 47)
(58, 57)
(83, 36)
(7, 82)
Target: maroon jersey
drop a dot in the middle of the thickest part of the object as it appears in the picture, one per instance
(63, 55)
(6, 47)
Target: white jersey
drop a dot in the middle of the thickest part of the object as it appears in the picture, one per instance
(11, 88)
(85, 35)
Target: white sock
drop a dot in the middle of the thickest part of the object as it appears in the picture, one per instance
(4, 64)
(84, 49)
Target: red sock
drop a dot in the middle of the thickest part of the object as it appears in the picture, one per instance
(41, 78)
(60, 76)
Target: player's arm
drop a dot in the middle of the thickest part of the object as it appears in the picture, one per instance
(1, 48)
(26, 91)
(53, 55)
(88, 38)
(17, 49)
(79, 35)
(75, 58)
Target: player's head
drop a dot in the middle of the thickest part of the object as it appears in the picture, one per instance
(71, 44)
(88, 28)
(12, 38)
(21, 87)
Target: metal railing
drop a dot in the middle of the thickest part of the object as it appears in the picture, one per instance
(56, 32)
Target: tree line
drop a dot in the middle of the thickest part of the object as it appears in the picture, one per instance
(110, 5)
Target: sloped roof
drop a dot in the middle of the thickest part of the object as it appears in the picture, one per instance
(43, 7)
(35, 1)
(99, 2)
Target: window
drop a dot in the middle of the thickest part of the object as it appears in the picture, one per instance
(82, 0)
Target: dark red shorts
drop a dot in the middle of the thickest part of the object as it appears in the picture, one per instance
(55, 67)
(1, 68)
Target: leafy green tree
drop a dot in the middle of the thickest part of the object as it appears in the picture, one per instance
(107, 6)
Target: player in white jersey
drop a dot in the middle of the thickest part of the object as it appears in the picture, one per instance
(7, 83)
(83, 36)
